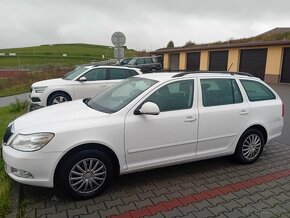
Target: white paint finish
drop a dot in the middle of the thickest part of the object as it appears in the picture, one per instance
(142, 141)
(160, 137)
(76, 89)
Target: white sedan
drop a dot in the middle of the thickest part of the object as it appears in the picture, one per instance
(80, 83)
(143, 122)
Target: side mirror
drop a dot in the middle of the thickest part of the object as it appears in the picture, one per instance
(149, 108)
(82, 79)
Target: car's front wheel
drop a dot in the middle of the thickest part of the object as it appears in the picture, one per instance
(250, 146)
(58, 98)
(86, 174)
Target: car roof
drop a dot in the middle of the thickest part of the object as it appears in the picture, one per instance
(111, 66)
(164, 76)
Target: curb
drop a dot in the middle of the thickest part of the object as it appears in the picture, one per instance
(15, 200)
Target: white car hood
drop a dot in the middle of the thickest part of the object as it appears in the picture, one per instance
(48, 118)
(53, 82)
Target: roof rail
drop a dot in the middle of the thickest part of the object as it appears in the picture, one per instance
(224, 72)
(243, 74)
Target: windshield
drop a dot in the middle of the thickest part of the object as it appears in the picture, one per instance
(133, 61)
(118, 96)
(76, 72)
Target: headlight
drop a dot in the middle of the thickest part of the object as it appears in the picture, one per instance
(31, 142)
(39, 89)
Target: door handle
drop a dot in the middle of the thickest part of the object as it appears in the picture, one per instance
(244, 112)
(189, 119)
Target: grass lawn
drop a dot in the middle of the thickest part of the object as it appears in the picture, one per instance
(44, 55)
(6, 116)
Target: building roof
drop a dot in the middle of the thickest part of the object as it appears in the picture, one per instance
(223, 46)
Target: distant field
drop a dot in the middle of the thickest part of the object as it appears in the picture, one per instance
(38, 56)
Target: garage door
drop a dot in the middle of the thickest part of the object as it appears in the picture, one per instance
(254, 61)
(285, 76)
(174, 61)
(193, 61)
(218, 60)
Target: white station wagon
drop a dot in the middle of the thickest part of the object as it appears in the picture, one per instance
(82, 82)
(144, 122)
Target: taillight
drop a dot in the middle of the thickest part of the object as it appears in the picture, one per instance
(283, 109)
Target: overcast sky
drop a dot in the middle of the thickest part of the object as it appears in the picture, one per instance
(147, 24)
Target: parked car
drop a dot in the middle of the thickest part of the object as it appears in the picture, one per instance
(145, 64)
(144, 122)
(124, 61)
(82, 82)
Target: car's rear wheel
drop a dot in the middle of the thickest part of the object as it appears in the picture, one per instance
(86, 174)
(250, 146)
(58, 98)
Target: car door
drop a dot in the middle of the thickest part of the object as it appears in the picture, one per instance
(148, 64)
(222, 115)
(140, 63)
(167, 137)
(116, 75)
(96, 82)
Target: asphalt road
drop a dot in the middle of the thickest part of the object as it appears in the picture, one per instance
(5, 101)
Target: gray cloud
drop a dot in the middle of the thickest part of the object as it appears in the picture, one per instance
(147, 24)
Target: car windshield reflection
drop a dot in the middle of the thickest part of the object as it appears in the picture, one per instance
(118, 96)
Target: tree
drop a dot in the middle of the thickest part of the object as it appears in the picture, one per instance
(189, 43)
(170, 44)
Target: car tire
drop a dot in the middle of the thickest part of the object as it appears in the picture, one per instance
(58, 97)
(153, 70)
(250, 146)
(85, 174)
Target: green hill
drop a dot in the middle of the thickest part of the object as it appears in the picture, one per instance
(57, 55)
(276, 34)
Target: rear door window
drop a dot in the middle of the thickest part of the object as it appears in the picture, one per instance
(257, 91)
(220, 92)
(119, 73)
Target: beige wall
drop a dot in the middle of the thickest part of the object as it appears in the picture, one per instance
(204, 58)
(182, 60)
(233, 60)
(166, 61)
(274, 60)
(273, 64)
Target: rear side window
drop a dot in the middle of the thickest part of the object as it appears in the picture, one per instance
(220, 92)
(257, 91)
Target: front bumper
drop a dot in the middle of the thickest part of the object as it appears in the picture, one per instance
(40, 165)
(37, 99)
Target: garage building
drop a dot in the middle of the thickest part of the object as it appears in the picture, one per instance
(268, 60)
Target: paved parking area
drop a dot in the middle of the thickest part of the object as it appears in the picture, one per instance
(211, 188)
